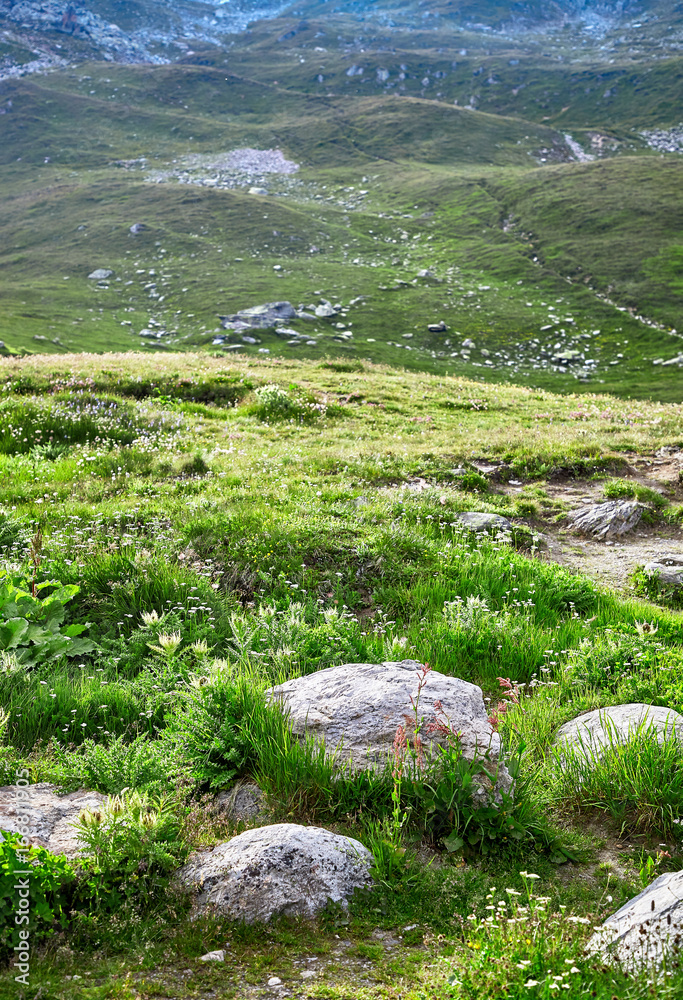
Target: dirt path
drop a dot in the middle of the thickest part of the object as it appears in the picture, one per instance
(612, 562)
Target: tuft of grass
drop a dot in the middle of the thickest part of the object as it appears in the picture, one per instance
(638, 783)
(616, 488)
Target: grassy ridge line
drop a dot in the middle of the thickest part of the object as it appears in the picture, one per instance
(146, 103)
(476, 418)
(196, 225)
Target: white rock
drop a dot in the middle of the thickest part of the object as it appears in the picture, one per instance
(646, 929)
(274, 981)
(480, 522)
(214, 956)
(100, 273)
(589, 733)
(277, 870)
(50, 816)
(356, 708)
(668, 570)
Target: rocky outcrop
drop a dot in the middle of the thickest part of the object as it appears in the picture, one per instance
(588, 734)
(280, 870)
(355, 709)
(271, 314)
(78, 22)
(48, 816)
(648, 929)
(607, 520)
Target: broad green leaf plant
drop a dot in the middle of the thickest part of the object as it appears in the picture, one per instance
(31, 623)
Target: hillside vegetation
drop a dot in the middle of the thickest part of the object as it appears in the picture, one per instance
(227, 524)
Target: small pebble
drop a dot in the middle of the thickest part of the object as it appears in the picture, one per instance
(274, 981)
(213, 956)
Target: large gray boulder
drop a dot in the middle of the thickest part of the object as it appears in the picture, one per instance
(667, 569)
(259, 317)
(607, 520)
(47, 816)
(356, 709)
(646, 930)
(590, 733)
(280, 870)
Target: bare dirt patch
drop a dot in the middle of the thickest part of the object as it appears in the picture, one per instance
(612, 562)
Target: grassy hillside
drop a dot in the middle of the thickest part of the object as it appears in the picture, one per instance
(227, 523)
(386, 187)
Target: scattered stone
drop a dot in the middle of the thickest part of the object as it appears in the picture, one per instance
(590, 733)
(437, 327)
(258, 190)
(250, 340)
(256, 161)
(648, 929)
(214, 956)
(308, 974)
(243, 802)
(286, 332)
(386, 938)
(607, 520)
(274, 981)
(468, 344)
(325, 310)
(478, 521)
(567, 357)
(356, 709)
(50, 816)
(137, 228)
(100, 273)
(428, 275)
(668, 570)
(280, 870)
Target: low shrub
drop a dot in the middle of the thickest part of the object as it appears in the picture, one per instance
(141, 764)
(49, 882)
(275, 403)
(131, 847)
(207, 729)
